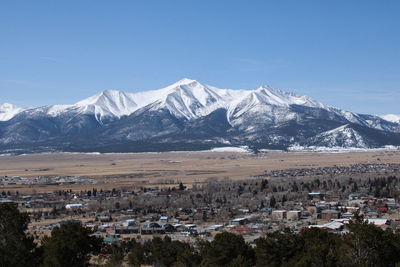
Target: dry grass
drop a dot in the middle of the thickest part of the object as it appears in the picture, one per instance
(132, 170)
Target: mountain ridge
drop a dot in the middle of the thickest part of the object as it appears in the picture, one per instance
(194, 113)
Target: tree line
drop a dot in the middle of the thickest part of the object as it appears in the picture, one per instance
(71, 244)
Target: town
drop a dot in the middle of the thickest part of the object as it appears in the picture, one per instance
(325, 198)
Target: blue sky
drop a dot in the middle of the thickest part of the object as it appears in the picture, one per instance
(342, 53)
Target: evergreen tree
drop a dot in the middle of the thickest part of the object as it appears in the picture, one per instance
(16, 248)
(272, 202)
(137, 255)
(228, 249)
(181, 186)
(69, 245)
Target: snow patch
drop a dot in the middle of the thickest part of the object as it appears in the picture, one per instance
(241, 149)
(391, 117)
(336, 149)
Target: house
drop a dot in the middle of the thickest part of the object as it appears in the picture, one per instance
(382, 223)
(241, 229)
(104, 218)
(279, 214)
(215, 227)
(311, 209)
(73, 206)
(151, 225)
(293, 215)
(130, 222)
(239, 221)
(178, 226)
(169, 228)
(164, 219)
(331, 226)
(353, 196)
(190, 226)
(328, 215)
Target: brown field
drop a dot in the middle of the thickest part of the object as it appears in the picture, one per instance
(133, 170)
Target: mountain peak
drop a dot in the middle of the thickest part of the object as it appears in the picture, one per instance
(185, 81)
(265, 87)
(100, 97)
(110, 92)
(107, 103)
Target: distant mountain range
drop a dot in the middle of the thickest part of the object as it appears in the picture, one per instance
(189, 115)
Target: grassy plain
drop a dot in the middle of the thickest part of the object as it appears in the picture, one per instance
(134, 170)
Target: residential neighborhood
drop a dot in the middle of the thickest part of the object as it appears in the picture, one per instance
(251, 208)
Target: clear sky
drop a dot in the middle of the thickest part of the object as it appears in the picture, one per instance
(342, 53)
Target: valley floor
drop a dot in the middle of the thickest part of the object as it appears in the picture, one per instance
(55, 171)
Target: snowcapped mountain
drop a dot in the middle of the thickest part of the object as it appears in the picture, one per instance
(191, 115)
(8, 111)
(391, 117)
(190, 99)
(186, 98)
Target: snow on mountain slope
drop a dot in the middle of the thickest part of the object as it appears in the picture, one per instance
(189, 99)
(109, 103)
(276, 97)
(106, 104)
(268, 104)
(391, 117)
(8, 111)
(186, 98)
(193, 113)
(343, 136)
